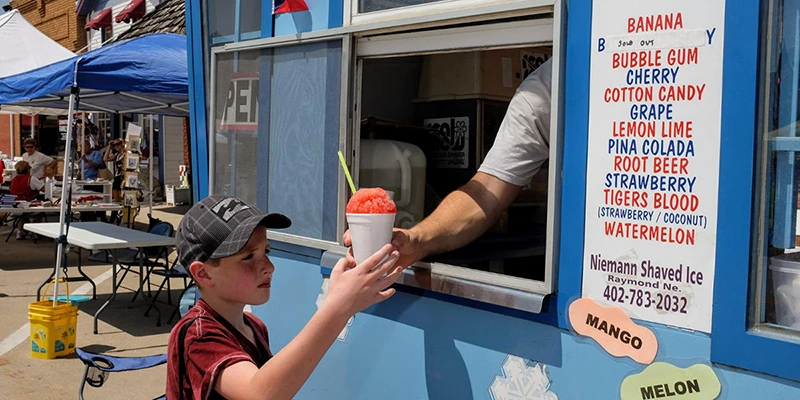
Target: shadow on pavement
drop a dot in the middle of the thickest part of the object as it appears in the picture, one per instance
(126, 316)
(18, 255)
(178, 210)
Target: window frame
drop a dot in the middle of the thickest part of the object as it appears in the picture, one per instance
(544, 308)
(105, 35)
(343, 127)
(442, 9)
(238, 35)
(736, 339)
(473, 38)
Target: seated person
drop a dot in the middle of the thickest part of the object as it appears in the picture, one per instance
(26, 187)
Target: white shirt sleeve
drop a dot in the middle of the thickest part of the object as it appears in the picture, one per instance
(45, 160)
(36, 184)
(38, 162)
(523, 140)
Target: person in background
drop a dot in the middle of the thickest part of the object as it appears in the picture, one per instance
(38, 161)
(26, 187)
(93, 161)
(116, 153)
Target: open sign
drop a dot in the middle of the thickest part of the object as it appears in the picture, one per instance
(241, 104)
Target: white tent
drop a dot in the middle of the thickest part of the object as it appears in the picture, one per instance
(23, 47)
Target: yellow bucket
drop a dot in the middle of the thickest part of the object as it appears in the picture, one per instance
(53, 329)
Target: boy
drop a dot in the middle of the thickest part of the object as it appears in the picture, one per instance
(218, 351)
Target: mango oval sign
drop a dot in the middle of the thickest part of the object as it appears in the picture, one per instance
(664, 380)
(613, 330)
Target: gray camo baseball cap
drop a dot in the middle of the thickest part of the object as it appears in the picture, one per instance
(219, 226)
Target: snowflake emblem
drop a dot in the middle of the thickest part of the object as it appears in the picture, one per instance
(521, 381)
(460, 128)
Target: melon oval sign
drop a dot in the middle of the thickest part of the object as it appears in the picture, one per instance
(613, 330)
(664, 380)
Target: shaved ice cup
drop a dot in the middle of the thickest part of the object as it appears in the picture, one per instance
(369, 233)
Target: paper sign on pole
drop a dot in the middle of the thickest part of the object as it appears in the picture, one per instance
(653, 162)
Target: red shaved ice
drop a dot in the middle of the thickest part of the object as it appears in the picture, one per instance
(371, 201)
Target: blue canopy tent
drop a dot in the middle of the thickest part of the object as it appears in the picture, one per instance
(147, 74)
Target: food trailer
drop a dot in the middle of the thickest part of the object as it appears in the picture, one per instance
(653, 255)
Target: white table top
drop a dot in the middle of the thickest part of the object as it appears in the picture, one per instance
(36, 210)
(101, 235)
(87, 183)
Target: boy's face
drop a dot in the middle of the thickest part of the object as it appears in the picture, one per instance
(245, 277)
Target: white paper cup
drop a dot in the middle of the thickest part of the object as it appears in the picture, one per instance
(369, 233)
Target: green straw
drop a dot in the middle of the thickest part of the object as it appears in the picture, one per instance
(346, 172)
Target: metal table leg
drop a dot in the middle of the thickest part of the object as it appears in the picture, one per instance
(83, 277)
(80, 271)
(114, 288)
(13, 226)
(39, 291)
(52, 275)
(141, 289)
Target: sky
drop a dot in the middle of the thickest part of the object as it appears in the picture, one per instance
(3, 3)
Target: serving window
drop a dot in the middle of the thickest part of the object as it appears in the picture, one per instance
(435, 94)
(361, 12)
(427, 109)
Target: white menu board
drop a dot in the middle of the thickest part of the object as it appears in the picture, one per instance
(653, 162)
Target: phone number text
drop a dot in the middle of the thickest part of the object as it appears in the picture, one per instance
(644, 298)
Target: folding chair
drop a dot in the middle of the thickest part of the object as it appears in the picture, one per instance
(152, 256)
(100, 366)
(176, 271)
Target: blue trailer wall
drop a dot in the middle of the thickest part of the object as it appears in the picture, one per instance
(433, 347)
(415, 347)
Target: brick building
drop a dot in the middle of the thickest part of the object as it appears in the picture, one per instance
(55, 18)
(6, 129)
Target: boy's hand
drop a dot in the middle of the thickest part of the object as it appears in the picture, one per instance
(405, 241)
(356, 287)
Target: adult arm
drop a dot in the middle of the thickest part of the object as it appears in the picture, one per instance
(90, 162)
(463, 216)
(109, 155)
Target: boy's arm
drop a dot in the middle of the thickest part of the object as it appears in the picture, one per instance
(352, 289)
(283, 375)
